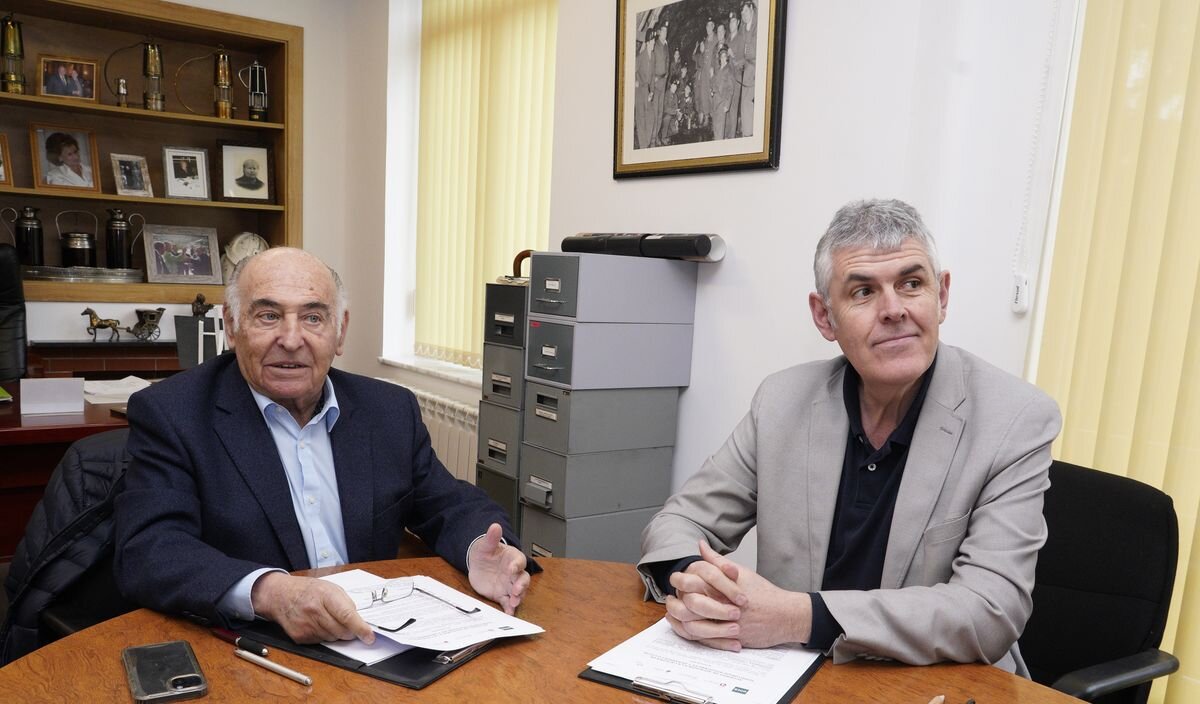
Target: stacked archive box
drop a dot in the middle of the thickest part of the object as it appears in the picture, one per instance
(608, 345)
(505, 307)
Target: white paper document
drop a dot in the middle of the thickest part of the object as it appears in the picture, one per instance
(659, 659)
(112, 391)
(437, 625)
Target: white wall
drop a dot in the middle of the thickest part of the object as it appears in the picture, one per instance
(952, 106)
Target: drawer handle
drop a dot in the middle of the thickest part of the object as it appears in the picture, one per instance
(551, 301)
(538, 551)
(548, 367)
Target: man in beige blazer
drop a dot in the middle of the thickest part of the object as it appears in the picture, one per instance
(897, 489)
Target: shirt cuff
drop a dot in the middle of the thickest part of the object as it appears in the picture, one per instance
(235, 603)
(825, 628)
(661, 572)
(472, 545)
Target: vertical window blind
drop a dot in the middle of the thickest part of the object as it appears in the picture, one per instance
(1121, 340)
(486, 129)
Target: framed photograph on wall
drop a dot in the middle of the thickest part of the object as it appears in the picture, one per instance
(6, 177)
(699, 85)
(185, 171)
(132, 175)
(64, 157)
(181, 255)
(67, 77)
(245, 172)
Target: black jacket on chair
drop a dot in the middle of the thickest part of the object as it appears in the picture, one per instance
(12, 315)
(68, 541)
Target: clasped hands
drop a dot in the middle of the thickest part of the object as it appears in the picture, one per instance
(729, 607)
(313, 610)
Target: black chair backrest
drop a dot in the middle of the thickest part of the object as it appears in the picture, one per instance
(12, 315)
(1104, 577)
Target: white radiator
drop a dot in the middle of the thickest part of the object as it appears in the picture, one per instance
(453, 428)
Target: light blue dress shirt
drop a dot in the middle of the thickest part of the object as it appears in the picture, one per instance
(307, 457)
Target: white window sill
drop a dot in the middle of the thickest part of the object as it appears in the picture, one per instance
(454, 381)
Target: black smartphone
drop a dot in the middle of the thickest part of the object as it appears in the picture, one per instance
(164, 672)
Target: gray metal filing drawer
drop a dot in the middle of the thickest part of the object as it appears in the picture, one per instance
(569, 486)
(567, 421)
(612, 289)
(502, 489)
(499, 438)
(610, 536)
(504, 307)
(608, 355)
(504, 375)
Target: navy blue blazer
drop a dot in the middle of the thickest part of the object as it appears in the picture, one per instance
(206, 499)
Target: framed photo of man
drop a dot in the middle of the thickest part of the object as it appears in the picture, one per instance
(185, 171)
(132, 175)
(6, 177)
(64, 157)
(66, 77)
(245, 172)
(699, 85)
(182, 255)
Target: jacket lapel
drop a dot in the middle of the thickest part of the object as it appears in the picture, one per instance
(243, 432)
(351, 444)
(935, 440)
(826, 451)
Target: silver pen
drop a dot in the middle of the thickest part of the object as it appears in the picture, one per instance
(274, 667)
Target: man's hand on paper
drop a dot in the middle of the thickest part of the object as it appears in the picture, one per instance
(727, 606)
(309, 610)
(497, 571)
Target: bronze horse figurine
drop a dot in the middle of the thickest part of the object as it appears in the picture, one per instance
(95, 322)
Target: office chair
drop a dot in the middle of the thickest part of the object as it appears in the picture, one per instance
(61, 580)
(1103, 587)
(12, 315)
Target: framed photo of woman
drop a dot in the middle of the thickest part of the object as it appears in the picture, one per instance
(64, 157)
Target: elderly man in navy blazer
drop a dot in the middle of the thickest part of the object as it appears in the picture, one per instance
(265, 460)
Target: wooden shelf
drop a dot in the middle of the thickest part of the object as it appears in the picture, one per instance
(131, 113)
(61, 291)
(112, 197)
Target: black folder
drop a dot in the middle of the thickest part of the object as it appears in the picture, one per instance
(668, 695)
(414, 668)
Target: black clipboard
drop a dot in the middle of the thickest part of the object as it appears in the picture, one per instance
(414, 668)
(668, 694)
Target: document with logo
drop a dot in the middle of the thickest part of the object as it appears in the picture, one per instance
(659, 663)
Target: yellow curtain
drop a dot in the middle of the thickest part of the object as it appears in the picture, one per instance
(486, 124)
(1121, 345)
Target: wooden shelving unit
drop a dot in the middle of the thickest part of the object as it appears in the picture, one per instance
(94, 30)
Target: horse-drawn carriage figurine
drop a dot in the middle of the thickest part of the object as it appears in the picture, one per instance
(146, 328)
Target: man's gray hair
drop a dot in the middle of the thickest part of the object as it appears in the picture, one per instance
(233, 295)
(878, 224)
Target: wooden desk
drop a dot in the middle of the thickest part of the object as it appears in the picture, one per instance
(30, 448)
(586, 607)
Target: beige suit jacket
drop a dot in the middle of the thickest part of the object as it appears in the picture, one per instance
(959, 567)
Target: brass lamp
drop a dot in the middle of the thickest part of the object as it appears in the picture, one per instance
(256, 83)
(12, 80)
(222, 84)
(152, 97)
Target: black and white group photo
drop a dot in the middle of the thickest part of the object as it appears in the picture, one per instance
(694, 72)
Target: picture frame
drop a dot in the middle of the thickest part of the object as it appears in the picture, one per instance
(181, 255)
(64, 158)
(131, 173)
(6, 174)
(185, 173)
(68, 77)
(245, 172)
(661, 131)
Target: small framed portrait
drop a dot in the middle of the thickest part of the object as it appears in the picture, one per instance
(64, 157)
(182, 255)
(66, 77)
(6, 177)
(185, 169)
(699, 86)
(132, 175)
(245, 172)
